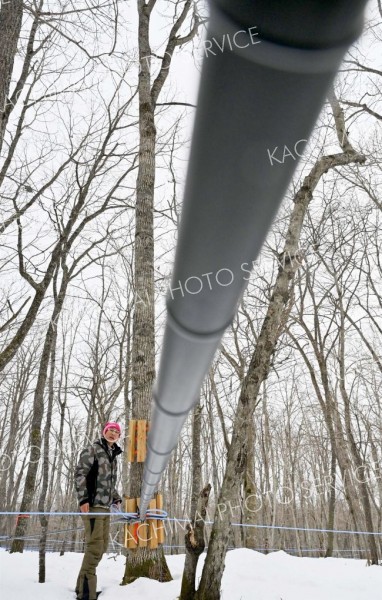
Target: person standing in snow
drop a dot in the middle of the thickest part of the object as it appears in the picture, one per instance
(95, 483)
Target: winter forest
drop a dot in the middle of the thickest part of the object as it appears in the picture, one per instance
(283, 451)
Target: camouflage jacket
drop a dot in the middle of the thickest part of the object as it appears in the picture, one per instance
(96, 474)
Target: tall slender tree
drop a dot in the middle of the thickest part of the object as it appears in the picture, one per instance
(144, 561)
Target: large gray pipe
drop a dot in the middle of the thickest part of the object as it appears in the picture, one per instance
(267, 68)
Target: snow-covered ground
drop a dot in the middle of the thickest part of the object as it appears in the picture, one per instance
(248, 575)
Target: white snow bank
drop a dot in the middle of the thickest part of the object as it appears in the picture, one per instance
(248, 575)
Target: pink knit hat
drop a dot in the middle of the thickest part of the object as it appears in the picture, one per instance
(111, 425)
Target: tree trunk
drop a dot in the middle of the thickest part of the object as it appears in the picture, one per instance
(251, 501)
(11, 15)
(212, 441)
(42, 505)
(194, 538)
(144, 562)
(332, 504)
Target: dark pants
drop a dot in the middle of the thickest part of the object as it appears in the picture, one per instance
(96, 540)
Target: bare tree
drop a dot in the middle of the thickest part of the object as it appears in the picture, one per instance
(144, 561)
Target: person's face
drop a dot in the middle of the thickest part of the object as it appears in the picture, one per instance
(111, 436)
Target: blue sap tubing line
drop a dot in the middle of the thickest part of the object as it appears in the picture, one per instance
(173, 519)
